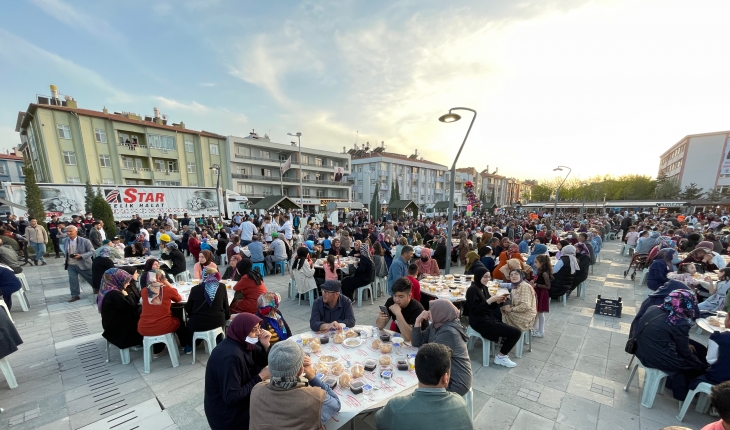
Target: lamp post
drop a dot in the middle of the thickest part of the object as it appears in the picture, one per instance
(583, 209)
(557, 193)
(452, 117)
(301, 188)
(217, 169)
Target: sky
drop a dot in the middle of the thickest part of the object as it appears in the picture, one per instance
(602, 86)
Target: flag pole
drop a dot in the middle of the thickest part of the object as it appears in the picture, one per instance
(281, 180)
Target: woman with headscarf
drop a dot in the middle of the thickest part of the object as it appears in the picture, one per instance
(522, 311)
(446, 329)
(235, 366)
(207, 305)
(427, 266)
(441, 253)
(583, 255)
(157, 318)
(176, 257)
(363, 276)
(151, 266)
(564, 271)
(133, 287)
(538, 249)
(689, 244)
(663, 341)
(271, 318)
(119, 311)
(710, 259)
(205, 261)
(194, 245)
(472, 263)
(99, 266)
(248, 288)
(381, 269)
(512, 251)
(486, 257)
(483, 309)
(665, 261)
(515, 264)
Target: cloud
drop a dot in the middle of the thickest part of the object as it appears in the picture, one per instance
(74, 18)
(166, 103)
(207, 84)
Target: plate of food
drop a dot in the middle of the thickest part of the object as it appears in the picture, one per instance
(329, 358)
(353, 342)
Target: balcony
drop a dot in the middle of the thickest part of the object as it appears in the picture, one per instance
(166, 175)
(414, 189)
(164, 153)
(140, 173)
(138, 150)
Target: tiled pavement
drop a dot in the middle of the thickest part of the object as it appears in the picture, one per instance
(572, 379)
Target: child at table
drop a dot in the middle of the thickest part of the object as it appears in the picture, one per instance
(542, 291)
(330, 269)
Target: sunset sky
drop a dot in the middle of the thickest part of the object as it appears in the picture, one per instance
(600, 86)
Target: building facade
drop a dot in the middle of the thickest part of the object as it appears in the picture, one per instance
(519, 191)
(11, 170)
(66, 144)
(422, 181)
(255, 172)
(702, 159)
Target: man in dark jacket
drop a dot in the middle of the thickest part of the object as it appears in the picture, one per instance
(332, 309)
(172, 254)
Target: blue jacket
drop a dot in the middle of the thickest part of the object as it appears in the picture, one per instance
(9, 283)
(524, 247)
(657, 275)
(398, 269)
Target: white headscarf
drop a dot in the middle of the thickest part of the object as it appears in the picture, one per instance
(569, 251)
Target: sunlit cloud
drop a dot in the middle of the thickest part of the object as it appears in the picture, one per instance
(75, 18)
(167, 103)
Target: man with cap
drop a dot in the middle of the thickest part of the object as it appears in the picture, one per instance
(278, 250)
(288, 401)
(117, 244)
(332, 309)
(107, 244)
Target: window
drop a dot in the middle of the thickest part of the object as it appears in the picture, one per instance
(242, 171)
(69, 158)
(22, 170)
(172, 166)
(161, 142)
(320, 192)
(266, 191)
(122, 138)
(108, 182)
(105, 160)
(283, 158)
(100, 135)
(64, 132)
(305, 159)
(191, 167)
(189, 146)
(265, 172)
(317, 161)
(415, 170)
(128, 163)
(168, 183)
(160, 165)
(3, 171)
(359, 196)
(72, 180)
(265, 155)
(243, 150)
(213, 149)
(245, 188)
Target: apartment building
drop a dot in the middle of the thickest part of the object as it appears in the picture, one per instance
(422, 181)
(519, 191)
(11, 170)
(463, 175)
(506, 191)
(255, 172)
(67, 144)
(702, 159)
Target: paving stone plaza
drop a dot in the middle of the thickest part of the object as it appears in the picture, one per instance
(572, 379)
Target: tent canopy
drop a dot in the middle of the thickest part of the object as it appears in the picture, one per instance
(443, 205)
(268, 203)
(403, 205)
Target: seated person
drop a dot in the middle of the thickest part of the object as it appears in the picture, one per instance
(364, 274)
(686, 275)
(522, 311)
(119, 310)
(332, 310)
(336, 249)
(330, 269)
(157, 318)
(9, 257)
(720, 400)
(107, 244)
(656, 298)
(133, 287)
(101, 263)
(230, 272)
(256, 247)
(278, 249)
(249, 287)
(447, 330)
(9, 284)
(703, 258)
(134, 250)
(486, 256)
(663, 263)
(205, 261)
(718, 292)
(207, 305)
(171, 253)
(286, 401)
(718, 357)
(271, 318)
(583, 256)
(430, 406)
(715, 258)
(427, 266)
(401, 309)
(564, 271)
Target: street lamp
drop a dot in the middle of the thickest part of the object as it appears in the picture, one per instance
(452, 117)
(301, 188)
(557, 193)
(217, 169)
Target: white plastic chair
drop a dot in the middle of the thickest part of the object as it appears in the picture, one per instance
(652, 384)
(486, 345)
(526, 338)
(209, 337)
(469, 398)
(644, 275)
(702, 403)
(4, 305)
(8, 373)
(19, 297)
(169, 340)
(582, 290)
(292, 289)
(23, 281)
(124, 353)
(369, 289)
(312, 295)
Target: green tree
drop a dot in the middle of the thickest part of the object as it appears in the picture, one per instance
(103, 212)
(397, 191)
(393, 193)
(668, 189)
(541, 193)
(691, 192)
(88, 197)
(375, 204)
(33, 196)
(714, 196)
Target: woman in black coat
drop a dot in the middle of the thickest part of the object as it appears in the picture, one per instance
(233, 369)
(584, 263)
(440, 253)
(207, 305)
(101, 264)
(364, 274)
(482, 308)
(564, 272)
(662, 336)
(176, 257)
(119, 311)
(133, 286)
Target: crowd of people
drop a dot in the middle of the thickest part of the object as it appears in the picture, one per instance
(253, 370)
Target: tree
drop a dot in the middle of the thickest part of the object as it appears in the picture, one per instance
(691, 192)
(393, 193)
(541, 193)
(88, 197)
(375, 204)
(668, 189)
(397, 191)
(33, 196)
(103, 212)
(714, 196)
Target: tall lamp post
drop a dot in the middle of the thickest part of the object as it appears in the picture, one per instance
(301, 187)
(217, 169)
(557, 193)
(452, 117)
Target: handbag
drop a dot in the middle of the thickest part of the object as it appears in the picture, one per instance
(631, 344)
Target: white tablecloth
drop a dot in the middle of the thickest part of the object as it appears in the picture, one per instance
(184, 289)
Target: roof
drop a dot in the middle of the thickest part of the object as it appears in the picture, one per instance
(442, 205)
(396, 156)
(10, 157)
(402, 204)
(689, 136)
(270, 202)
(34, 106)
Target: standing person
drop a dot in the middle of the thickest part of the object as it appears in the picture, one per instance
(53, 231)
(37, 237)
(95, 235)
(542, 292)
(234, 368)
(288, 402)
(248, 229)
(431, 406)
(447, 330)
(78, 261)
